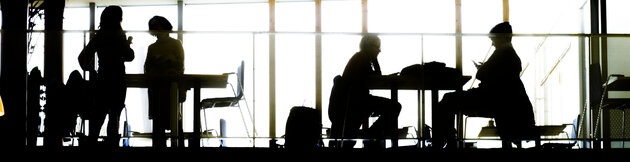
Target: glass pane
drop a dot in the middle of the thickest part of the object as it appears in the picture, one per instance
(618, 16)
(341, 16)
(295, 75)
(227, 17)
(137, 17)
(218, 53)
(541, 16)
(411, 16)
(480, 16)
(260, 85)
(76, 19)
(295, 16)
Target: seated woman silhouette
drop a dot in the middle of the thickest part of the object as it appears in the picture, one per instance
(351, 102)
(163, 65)
(500, 95)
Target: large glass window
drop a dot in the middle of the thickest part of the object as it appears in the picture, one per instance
(217, 36)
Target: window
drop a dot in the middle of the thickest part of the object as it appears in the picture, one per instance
(217, 36)
(227, 17)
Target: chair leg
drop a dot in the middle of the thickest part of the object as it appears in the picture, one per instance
(243, 119)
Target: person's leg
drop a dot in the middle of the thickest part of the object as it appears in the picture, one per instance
(96, 122)
(389, 110)
(474, 102)
(115, 102)
(352, 120)
(113, 136)
(444, 120)
(158, 115)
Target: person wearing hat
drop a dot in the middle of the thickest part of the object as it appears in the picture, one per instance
(163, 66)
(500, 95)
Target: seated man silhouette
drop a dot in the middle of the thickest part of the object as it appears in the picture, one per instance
(500, 95)
(351, 102)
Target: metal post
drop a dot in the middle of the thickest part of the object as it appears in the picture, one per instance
(195, 142)
(180, 20)
(594, 59)
(318, 58)
(458, 65)
(92, 16)
(272, 69)
(364, 16)
(604, 62)
(583, 128)
(458, 31)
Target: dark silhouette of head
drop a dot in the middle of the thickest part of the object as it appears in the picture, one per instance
(370, 44)
(159, 25)
(36, 72)
(111, 18)
(501, 33)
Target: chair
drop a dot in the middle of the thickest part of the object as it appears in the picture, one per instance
(339, 112)
(596, 100)
(543, 130)
(599, 98)
(231, 101)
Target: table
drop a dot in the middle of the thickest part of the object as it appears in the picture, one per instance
(616, 82)
(397, 82)
(195, 81)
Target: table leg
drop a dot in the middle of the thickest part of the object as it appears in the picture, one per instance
(434, 104)
(174, 115)
(195, 142)
(420, 133)
(394, 121)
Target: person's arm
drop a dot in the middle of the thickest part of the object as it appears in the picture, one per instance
(148, 62)
(86, 57)
(127, 52)
(499, 66)
(180, 56)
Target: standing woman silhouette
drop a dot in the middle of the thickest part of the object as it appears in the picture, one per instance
(112, 48)
(163, 66)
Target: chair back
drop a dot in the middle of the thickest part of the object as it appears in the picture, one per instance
(240, 75)
(595, 78)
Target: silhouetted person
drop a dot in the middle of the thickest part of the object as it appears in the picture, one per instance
(35, 80)
(164, 64)
(79, 99)
(55, 126)
(351, 102)
(500, 95)
(112, 47)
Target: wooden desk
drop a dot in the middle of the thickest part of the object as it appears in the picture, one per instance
(397, 82)
(195, 81)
